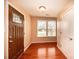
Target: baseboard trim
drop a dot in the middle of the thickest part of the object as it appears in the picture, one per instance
(62, 52)
(24, 50)
(27, 47)
(38, 42)
(45, 42)
(20, 55)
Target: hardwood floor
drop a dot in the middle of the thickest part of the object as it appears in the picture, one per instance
(43, 51)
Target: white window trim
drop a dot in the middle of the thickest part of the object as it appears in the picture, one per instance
(47, 28)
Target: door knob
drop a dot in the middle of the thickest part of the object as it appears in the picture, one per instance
(70, 38)
(10, 36)
(11, 41)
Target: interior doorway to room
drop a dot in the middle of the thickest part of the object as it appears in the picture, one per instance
(16, 33)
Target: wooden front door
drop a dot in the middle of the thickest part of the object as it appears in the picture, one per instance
(16, 33)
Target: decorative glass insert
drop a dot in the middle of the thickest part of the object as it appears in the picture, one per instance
(16, 18)
(41, 28)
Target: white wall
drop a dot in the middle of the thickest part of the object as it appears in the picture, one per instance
(58, 31)
(66, 32)
(27, 32)
(27, 27)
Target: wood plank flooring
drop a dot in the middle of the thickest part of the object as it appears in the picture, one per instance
(43, 51)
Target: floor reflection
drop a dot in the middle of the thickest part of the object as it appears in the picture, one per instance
(46, 53)
(51, 51)
(43, 51)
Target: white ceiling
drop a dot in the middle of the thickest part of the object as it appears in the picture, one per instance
(53, 7)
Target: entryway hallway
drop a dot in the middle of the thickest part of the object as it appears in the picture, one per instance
(39, 29)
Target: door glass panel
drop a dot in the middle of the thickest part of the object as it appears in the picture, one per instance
(16, 18)
(51, 28)
(41, 28)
